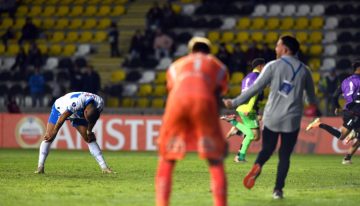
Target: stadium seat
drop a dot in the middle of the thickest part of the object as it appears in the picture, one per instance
(6, 23)
(317, 10)
(20, 22)
(157, 103)
(301, 23)
(213, 36)
(328, 63)
(287, 23)
(104, 23)
(83, 49)
(76, 11)
(48, 23)
(117, 11)
(229, 23)
(317, 23)
(315, 50)
(55, 50)
(49, 11)
(271, 37)
(316, 77)
(100, 36)
(304, 49)
(289, 10)
(274, 10)
(258, 23)
(86, 36)
(69, 49)
(331, 23)
(63, 11)
(330, 37)
(58, 36)
(35, 11)
(43, 48)
(130, 90)
(242, 37)
(8, 63)
(160, 77)
(227, 37)
(188, 9)
(75, 23)
(144, 90)
(314, 64)
(61, 24)
(236, 78)
(127, 102)
(164, 63)
(273, 23)
(303, 10)
(112, 102)
(176, 8)
(330, 50)
(243, 23)
(260, 10)
(214, 49)
(22, 11)
(234, 91)
(181, 50)
(147, 77)
(51, 63)
(90, 10)
(2, 51)
(89, 23)
(71, 37)
(316, 37)
(142, 102)
(257, 36)
(13, 49)
(104, 10)
(160, 90)
(117, 76)
(302, 37)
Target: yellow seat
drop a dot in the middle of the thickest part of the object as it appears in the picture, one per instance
(104, 11)
(49, 11)
(80, 2)
(176, 8)
(76, 11)
(257, 36)
(234, 91)
(113, 102)
(22, 11)
(243, 23)
(86, 36)
(100, 36)
(2, 49)
(213, 36)
(142, 102)
(301, 23)
(214, 49)
(317, 23)
(287, 23)
(94, 1)
(316, 77)
(13, 49)
(63, 11)
(61, 23)
(302, 37)
(229, 47)
(71, 37)
(58, 36)
(6, 23)
(145, 90)
(316, 37)
(75, 23)
(242, 37)
(160, 90)
(90, 11)
(48, 23)
(69, 50)
(128, 102)
(304, 49)
(52, 1)
(104, 23)
(227, 37)
(55, 50)
(258, 23)
(158, 103)
(315, 50)
(160, 77)
(273, 23)
(117, 11)
(117, 76)
(271, 37)
(35, 11)
(314, 63)
(236, 78)
(20, 22)
(65, 2)
(43, 48)
(89, 24)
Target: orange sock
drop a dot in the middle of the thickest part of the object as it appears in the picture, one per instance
(163, 182)
(218, 184)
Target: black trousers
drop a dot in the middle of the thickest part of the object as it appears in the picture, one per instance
(269, 142)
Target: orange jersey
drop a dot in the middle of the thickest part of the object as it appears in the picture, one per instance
(198, 75)
(191, 115)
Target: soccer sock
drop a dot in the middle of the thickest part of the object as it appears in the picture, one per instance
(43, 152)
(96, 152)
(331, 130)
(218, 184)
(163, 182)
(245, 145)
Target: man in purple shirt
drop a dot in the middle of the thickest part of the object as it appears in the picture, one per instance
(350, 88)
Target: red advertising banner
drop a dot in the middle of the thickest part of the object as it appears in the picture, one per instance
(139, 133)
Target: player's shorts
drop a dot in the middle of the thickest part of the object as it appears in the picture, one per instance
(191, 121)
(351, 120)
(250, 120)
(55, 114)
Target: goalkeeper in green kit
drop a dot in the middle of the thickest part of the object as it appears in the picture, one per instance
(248, 113)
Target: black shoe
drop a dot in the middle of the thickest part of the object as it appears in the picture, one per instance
(278, 194)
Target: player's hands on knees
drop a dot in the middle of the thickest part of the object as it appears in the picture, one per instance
(227, 103)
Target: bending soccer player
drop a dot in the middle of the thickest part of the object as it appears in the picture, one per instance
(248, 113)
(83, 110)
(194, 83)
(350, 88)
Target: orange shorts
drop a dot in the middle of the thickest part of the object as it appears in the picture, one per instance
(191, 121)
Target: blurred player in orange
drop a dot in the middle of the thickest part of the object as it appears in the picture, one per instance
(195, 83)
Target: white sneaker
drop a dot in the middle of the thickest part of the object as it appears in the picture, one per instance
(108, 171)
(346, 162)
(40, 170)
(314, 123)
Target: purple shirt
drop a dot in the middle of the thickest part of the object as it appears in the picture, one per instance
(350, 88)
(249, 80)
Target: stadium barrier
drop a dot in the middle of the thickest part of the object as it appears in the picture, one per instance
(139, 133)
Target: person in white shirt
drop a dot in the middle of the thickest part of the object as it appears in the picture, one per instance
(83, 110)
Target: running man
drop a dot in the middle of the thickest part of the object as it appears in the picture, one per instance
(350, 88)
(248, 113)
(195, 83)
(83, 110)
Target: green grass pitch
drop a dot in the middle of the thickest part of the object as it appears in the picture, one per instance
(74, 178)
